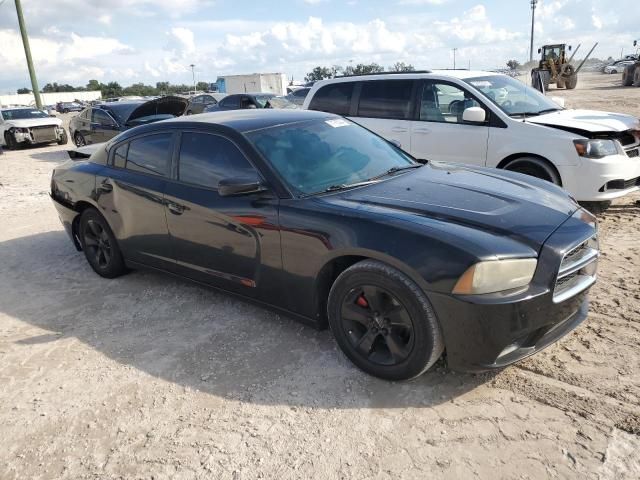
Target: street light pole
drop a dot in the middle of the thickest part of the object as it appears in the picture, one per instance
(27, 53)
(193, 73)
(454, 57)
(533, 21)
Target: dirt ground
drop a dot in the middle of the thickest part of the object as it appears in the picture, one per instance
(148, 377)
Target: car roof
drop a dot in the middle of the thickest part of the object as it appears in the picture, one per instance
(459, 74)
(249, 120)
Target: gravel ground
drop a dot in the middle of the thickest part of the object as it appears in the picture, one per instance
(147, 376)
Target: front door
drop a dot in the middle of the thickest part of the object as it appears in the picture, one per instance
(103, 126)
(232, 242)
(130, 195)
(440, 133)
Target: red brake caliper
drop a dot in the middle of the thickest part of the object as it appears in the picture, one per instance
(361, 301)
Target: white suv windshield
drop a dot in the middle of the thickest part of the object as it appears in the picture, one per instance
(512, 96)
(22, 114)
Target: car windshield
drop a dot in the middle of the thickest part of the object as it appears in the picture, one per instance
(320, 155)
(23, 113)
(512, 96)
(263, 99)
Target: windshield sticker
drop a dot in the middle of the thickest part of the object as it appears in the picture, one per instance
(481, 83)
(338, 122)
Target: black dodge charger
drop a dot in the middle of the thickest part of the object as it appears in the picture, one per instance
(315, 216)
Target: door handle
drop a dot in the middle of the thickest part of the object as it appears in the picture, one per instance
(105, 187)
(175, 208)
(399, 130)
(422, 130)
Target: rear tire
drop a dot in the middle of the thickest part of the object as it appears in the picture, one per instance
(636, 77)
(627, 76)
(572, 81)
(100, 245)
(535, 167)
(383, 322)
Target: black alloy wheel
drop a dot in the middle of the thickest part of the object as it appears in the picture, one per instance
(79, 140)
(377, 325)
(383, 321)
(100, 245)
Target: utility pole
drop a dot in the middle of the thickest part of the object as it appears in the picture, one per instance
(533, 21)
(193, 73)
(454, 57)
(27, 53)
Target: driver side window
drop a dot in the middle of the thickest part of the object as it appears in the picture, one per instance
(101, 118)
(444, 103)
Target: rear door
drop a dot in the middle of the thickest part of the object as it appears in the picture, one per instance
(130, 194)
(385, 107)
(439, 132)
(232, 102)
(232, 242)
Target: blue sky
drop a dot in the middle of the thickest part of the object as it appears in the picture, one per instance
(156, 40)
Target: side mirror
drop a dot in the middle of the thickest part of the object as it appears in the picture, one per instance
(229, 187)
(474, 115)
(569, 47)
(539, 50)
(635, 43)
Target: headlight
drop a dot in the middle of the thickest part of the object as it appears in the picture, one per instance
(22, 130)
(496, 276)
(597, 148)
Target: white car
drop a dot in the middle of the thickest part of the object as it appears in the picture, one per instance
(29, 126)
(492, 120)
(618, 67)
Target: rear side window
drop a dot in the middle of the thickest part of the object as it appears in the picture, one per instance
(205, 159)
(333, 98)
(386, 99)
(231, 102)
(120, 156)
(149, 154)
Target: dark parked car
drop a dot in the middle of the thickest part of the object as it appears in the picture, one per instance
(198, 103)
(102, 122)
(320, 218)
(297, 96)
(241, 101)
(66, 107)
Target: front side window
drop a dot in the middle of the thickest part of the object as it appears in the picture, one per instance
(208, 100)
(386, 99)
(205, 159)
(333, 98)
(441, 102)
(316, 155)
(150, 154)
(512, 96)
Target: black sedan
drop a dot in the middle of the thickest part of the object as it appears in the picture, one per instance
(317, 217)
(102, 122)
(242, 101)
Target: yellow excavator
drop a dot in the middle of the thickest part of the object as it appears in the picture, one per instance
(631, 73)
(554, 67)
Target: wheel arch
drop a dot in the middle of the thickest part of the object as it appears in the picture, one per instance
(514, 156)
(338, 263)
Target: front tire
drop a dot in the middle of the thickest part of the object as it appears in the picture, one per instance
(100, 245)
(627, 76)
(383, 322)
(79, 140)
(636, 77)
(10, 141)
(535, 167)
(64, 139)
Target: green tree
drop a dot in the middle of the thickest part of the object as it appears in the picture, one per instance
(202, 86)
(24, 90)
(94, 85)
(513, 64)
(111, 89)
(401, 67)
(363, 69)
(321, 73)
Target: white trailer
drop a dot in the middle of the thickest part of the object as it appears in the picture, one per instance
(254, 83)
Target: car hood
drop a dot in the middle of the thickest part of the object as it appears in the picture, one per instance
(591, 121)
(34, 122)
(504, 203)
(175, 106)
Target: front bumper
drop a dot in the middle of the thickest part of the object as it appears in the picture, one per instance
(484, 332)
(602, 179)
(37, 135)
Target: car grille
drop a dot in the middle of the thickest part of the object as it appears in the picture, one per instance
(577, 270)
(43, 134)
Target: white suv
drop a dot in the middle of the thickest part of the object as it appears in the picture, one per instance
(492, 120)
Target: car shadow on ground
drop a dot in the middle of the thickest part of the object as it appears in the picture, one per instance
(52, 155)
(195, 336)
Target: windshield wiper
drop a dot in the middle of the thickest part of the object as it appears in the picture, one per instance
(533, 114)
(393, 170)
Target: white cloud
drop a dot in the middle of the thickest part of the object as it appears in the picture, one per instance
(181, 39)
(475, 26)
(596, 21)
(105, 19)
